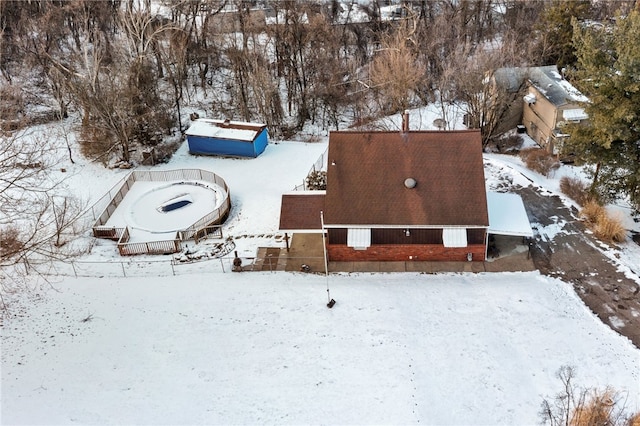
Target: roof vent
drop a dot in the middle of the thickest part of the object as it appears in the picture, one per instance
(410, 183)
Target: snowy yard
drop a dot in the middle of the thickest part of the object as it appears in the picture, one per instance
(262, 348)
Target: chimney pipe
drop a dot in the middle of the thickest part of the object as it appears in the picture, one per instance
(405, 121)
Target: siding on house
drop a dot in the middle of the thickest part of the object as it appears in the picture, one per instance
(539, 118)
(415, 252)
(393, 244)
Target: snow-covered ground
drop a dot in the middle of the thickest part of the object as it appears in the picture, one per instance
(262, 348)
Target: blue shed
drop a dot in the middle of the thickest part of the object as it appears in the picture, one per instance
(224, 137)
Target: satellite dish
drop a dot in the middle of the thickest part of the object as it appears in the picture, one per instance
(439, 123)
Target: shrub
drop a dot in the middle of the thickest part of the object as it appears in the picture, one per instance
(509, 143)
(317, 180)
(592, 211)
(12, 108)
(598, 409)
(575, 189)
(10, 243)
(575, 406)
(610, 228)
(603, 225)
(634, 420)
(539, 160)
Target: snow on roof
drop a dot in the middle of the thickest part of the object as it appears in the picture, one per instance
(556, 89)
(575, 94)
(507, 215)
(220, 129)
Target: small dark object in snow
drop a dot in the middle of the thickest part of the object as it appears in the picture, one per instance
(175, 206)
(331, 303)
(237, 263)
(305, 268)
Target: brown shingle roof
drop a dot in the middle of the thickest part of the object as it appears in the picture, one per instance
(367, 171)
(301, 211)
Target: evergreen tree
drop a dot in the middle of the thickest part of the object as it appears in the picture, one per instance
(608, 62)
(555, 43)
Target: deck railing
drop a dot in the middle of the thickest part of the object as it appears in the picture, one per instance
(114, 197)
(127, 248)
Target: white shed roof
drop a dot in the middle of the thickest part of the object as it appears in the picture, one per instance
(220, 129)
(507, 215)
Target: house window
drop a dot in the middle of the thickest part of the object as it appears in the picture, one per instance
(454, 237)
(337, 235)
(475, 236)
(359, 238)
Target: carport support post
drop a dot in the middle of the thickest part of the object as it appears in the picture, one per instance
(486, 244)
(286, 241)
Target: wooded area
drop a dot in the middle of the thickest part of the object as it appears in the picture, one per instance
(130, 67)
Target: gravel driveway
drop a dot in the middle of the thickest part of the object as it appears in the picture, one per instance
(573, 256)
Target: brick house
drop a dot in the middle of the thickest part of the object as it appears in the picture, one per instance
(398, 196)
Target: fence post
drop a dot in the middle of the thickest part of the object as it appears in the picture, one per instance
(73, 266)
(124, 274)
(173, 269)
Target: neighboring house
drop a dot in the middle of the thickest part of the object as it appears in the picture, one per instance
(551, 102)
(547, 102)
(508, 86)
(226, 138)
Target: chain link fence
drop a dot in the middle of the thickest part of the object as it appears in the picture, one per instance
(132, 267)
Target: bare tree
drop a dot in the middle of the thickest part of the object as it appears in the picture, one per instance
(395, 71)
(28, 218)
(574, 406)
(115, 84)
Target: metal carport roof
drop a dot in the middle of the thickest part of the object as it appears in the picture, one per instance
(507, 215)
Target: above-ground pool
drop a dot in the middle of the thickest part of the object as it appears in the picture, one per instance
(161, 207)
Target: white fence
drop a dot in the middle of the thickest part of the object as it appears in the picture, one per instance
(320, 164)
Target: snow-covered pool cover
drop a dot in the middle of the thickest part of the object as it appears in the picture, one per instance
(507, 215)
(218, 129)
(141, 208)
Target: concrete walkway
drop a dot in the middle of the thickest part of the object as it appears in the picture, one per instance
(306, 249)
